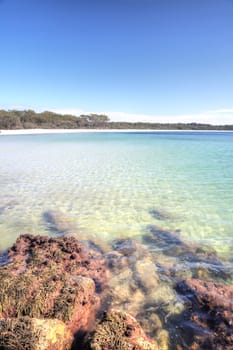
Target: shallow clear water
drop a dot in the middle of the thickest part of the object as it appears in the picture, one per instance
(172, 192)
(108, 185)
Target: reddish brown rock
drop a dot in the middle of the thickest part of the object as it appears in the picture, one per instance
(209, 314)
(52, 278)
(34, 334)
(119, 331)
(66, 252)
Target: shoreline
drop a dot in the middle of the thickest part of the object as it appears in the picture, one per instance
(74, 131)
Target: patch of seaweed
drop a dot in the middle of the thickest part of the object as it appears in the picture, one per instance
(16, 334)
(33, 334)
(118, 331)
(110, 333)
(49, 277)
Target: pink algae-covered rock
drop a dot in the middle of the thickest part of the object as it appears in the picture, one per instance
(34, 334)
(52, 278)
(210, 310)
(119, 331)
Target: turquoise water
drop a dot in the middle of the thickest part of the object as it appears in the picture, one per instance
(109, 185)
(167, 193)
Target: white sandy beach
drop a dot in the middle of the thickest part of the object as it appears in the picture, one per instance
(63, 131)
(72, 131)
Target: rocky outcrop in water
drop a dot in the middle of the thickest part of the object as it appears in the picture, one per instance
(209, 314)
(50, 290)
(26, 333)
(59, 283)
(143, 284)
(119, 331)
(51, 278)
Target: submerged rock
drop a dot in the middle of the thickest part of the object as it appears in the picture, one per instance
(192, 259)
(167, 241)
(136, 288)
(159, 214)
(116, 261)
(162, 338)
(145, 274)
(58, 223)
(209, 314)
(125, 246)
(4, 258)
(34, 334)
(119, 331)
(136, 285)
(171, 244)
(148, 320)
(124, 293)
(52, 278)
(134, 275)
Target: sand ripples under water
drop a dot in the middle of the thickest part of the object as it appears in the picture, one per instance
(159, 206)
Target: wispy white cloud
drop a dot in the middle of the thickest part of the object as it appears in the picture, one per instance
(71, 111)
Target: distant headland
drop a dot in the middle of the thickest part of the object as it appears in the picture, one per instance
(29, 119)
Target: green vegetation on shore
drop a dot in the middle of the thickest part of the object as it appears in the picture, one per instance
(29, 119)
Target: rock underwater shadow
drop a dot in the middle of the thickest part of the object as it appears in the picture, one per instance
(58, 223)
(159, 214)
(200, 261)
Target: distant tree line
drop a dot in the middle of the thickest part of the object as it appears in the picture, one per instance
(29, 119)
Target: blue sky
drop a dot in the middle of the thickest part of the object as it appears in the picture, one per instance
(154, 60)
